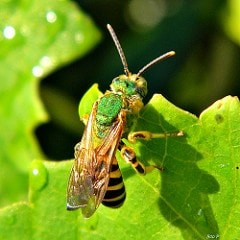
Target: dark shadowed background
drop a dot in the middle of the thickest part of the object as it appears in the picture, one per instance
(204, 34)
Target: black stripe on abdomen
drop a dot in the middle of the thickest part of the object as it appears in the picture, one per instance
(115, 194)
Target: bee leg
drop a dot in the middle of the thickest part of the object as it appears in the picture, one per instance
(84, 119)
(128, 154)
(145, 135)
(77, 149)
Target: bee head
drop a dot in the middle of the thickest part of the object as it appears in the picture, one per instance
(131, 84)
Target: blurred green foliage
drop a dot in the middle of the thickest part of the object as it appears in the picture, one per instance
(37, 38)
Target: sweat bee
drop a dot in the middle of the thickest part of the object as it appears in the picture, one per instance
(95, 176)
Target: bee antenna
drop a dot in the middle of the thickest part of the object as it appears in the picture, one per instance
(119, 48)
(154, 61)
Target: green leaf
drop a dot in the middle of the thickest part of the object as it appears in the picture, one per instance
(88, 100)
(37, 37)
(195, 197)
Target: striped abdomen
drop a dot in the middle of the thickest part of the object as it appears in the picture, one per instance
(115, 194)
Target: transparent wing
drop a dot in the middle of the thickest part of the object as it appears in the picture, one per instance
(90, 173)
(80, 192)
(105, 154)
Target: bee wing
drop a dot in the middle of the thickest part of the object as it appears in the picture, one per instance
(80, 191)
(105, 155)
(90, 173)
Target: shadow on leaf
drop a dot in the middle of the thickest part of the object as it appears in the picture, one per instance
(184, 189)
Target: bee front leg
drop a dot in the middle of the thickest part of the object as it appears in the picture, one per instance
(128, 154)
(145, 135)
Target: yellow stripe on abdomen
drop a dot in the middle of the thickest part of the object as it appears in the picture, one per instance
(115, 194)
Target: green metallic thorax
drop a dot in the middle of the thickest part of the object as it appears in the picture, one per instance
(126, 94)
(108, 108)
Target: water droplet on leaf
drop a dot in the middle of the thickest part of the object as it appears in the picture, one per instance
(38, 175)
(37, 71)
(9, 32)
(51, 16)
